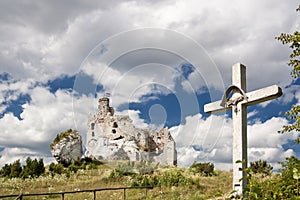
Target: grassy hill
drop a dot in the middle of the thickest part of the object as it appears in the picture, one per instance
(169, 182)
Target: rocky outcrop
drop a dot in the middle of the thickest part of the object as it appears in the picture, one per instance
(114, 137)
(67, 147)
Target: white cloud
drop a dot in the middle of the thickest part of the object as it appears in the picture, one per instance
(213, 137)
(231, 33)
(41, 41)
(251, 114)
(46, 115)
(134, 116)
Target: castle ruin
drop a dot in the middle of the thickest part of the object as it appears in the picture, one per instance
(114, 137)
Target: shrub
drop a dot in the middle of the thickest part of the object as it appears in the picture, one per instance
(281, 186)
(205, 169)
(92, 166)
(261, 167)
(145, 167)
(33, 168)
(74, 168)
(173, 177)
(56, 168)
(16, 169)
(5, 171)
(62, 135)
(123, 169)
(170, 177)
(11, 170)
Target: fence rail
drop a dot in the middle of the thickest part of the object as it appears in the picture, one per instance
(20, 196)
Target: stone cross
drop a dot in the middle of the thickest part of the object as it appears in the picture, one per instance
(237, 99)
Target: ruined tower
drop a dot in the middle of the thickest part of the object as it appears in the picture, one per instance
(104, 109)
(111, 136)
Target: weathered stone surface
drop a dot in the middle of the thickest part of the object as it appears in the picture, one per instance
(114, 137)
(67, 147)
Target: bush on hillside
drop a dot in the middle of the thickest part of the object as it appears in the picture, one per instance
(33, 168)
(205, 169)
(56, 168)
(63, 135)
(280, 186)
(11, 170)
(261, 167)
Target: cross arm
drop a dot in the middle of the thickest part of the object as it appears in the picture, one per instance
(215, 107)
(264, 94)
(254, 97)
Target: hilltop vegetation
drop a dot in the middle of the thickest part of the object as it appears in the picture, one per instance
(169, 182)
(199, 181)
(63, 135)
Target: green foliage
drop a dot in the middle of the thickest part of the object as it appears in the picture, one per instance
(170, 177)
(146, 173)
(174, 177)
(62, 135)
(205, 169)
(16, 169)
(123, 169)
(280, 186)
(56, 168)
(145, 167)
(294, 116)
(261, 167)
(6, 170)
(33, 168)
(85, 163)
(294, 41)
(11, 170)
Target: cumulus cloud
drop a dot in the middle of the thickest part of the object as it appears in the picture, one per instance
(41, 41)
(230, 33)
(210, 140)
(46, 115)
(134, 116)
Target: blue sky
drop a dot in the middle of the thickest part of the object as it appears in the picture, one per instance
(160, 60)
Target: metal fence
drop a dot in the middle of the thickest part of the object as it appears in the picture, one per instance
(94, 191)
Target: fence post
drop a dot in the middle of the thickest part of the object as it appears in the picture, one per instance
(146, 193)
(94, 194)
(20, 197)
(124, 193)
(62, 196)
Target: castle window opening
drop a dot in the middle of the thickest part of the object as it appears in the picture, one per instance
(113, 131)
(115, 125)
(93, 134)
(92, 126)
(158, 140)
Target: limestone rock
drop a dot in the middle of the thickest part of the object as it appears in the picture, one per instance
(67, 147)
(114, 137)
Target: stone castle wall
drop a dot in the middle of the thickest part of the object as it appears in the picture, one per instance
(114, 137)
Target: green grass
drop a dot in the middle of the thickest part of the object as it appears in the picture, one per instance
(201, 187)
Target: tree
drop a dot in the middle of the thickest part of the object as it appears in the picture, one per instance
(5, 171)
(16, 169)
(11, 170)
(294, 113)
(33, 168)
